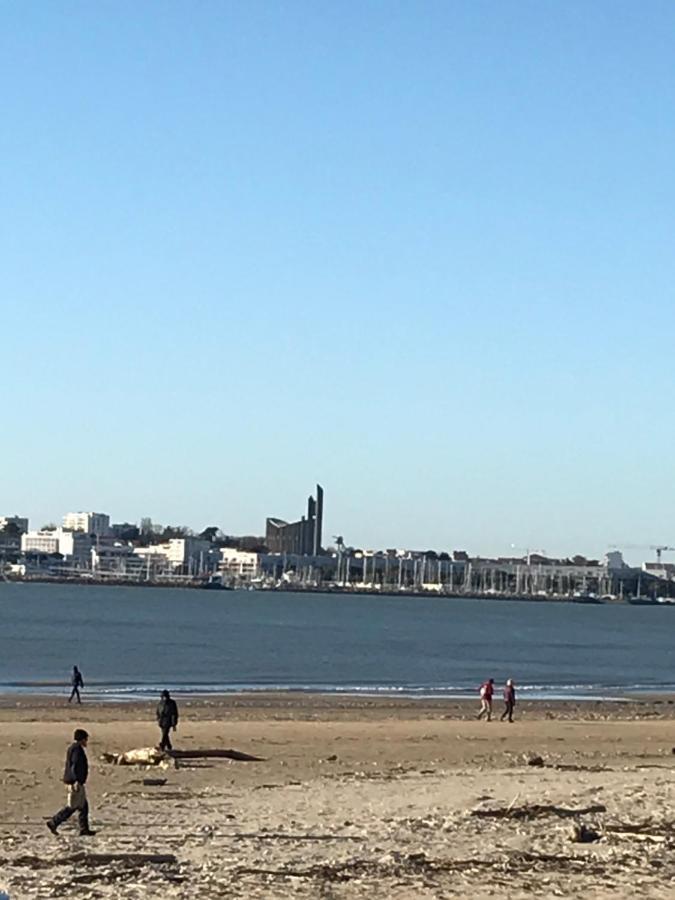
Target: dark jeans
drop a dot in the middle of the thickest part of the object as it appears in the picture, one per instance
(165, 743)
(64, 814)
(75, 693)
(508, 712)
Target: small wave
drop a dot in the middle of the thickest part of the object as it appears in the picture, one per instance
(120, 691)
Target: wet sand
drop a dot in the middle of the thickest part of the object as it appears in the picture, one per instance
(353, 798)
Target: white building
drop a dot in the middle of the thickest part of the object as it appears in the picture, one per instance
(116, 560)
(20, 522)
(662, 570)
(40, 541)
(239, 563)
(88, 522)
(72, 545)
(154, 560)
(183, 556)
(189, 552)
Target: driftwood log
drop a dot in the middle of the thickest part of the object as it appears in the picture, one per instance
(129, 859)
(151, 756)
(213, 754)
(92, 859)
(536, 811)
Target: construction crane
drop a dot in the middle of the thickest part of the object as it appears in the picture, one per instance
(659, 548)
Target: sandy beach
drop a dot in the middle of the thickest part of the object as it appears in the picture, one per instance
(352, 798)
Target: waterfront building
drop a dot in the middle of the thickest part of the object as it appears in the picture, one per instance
(663, 570)
(71, 545)
(19, 523)
(10, 547)
(302, 538)
(87, 522)
(154, 560)
(116, 560)
(181, 556)
(614, 560)
(125, 531)
(241, 564)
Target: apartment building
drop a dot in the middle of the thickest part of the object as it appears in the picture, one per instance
(87, 522)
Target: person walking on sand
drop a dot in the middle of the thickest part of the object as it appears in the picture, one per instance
(167, 718)
(487, 690)
(77, 682)
(509, 700)
(75, 776)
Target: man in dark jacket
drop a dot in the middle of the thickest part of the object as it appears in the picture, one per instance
(167, 718)
(75, 776)
(76, 682)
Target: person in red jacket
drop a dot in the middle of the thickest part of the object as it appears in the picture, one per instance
(509, 700)
(487, 690)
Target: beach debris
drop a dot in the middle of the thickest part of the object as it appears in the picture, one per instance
(153, 782)
(396, 865)
(214, 754)
(658, 831)
(92, 859)
(535, 760)
(144, 756)
(582, 834)
(634, 836)
(529, 811)
(151, 756)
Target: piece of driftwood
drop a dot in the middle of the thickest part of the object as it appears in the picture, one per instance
(214, 754)
(419, 864)
(536, 811)
(92, 859)
(154, 782)
(129, 859)
(151, 756)
(661, 829)
(635, 836)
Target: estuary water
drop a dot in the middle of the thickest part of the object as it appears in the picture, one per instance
(129, 642)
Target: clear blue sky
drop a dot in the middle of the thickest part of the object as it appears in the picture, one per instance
(421, 252)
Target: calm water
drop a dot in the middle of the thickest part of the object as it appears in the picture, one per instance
(131, 641)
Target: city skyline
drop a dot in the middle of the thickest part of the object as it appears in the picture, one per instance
(633, 552)
(422, 255)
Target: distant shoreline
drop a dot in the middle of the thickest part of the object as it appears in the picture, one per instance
(355, 590)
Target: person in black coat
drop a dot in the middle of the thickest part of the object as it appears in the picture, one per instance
(167, 718)
(75, 776)
(77, 682)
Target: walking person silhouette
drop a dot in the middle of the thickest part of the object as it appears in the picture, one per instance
(77, 682)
